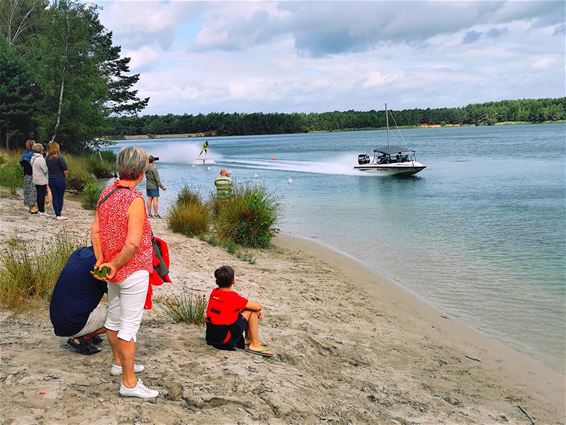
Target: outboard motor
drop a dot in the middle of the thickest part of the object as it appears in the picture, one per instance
(363, 158)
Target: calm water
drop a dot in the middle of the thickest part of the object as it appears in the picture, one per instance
(480, 233)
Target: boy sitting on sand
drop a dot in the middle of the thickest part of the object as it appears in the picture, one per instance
(228, 315)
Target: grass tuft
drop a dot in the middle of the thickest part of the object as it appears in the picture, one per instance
(90, 195)
(29, 273)
(11, 176)
(188, 309)
(190, 216)
(247, 217)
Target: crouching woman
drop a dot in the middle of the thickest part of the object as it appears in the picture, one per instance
(121, 238)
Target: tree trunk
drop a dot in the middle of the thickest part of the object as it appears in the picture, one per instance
(7, 137)
(58, 121)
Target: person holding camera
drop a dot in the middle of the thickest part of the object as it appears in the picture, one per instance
(152, 185)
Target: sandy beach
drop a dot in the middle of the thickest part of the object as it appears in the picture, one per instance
(351, 347)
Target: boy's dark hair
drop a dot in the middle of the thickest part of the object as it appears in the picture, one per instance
(224, 276)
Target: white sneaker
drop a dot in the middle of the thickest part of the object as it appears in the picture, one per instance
(117, 370)
(60, 217)
(44, 214)
(140, 391)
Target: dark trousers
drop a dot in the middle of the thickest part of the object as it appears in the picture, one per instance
(41, 190)
(58, 187)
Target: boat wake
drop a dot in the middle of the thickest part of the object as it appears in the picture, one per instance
(341, 165)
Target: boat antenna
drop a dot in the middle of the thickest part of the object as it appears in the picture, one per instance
(387, 125)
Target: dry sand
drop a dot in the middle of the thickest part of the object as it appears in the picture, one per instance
(350, 348)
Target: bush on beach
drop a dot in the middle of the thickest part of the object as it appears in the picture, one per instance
(11, 176)
(190, 216)
(91, 194)
(28, 273)
(188, 309)
(247, 217)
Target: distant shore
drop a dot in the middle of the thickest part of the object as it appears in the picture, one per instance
(204, 135)
(350, 347)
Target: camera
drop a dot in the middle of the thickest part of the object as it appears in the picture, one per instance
(154, 158)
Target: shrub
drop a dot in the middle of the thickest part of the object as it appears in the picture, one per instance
(188, 309)
(91, 195)
(187, 196)
(101, 168)
(189, 219)
(29, 273)
(248, 217)
(79, 175)
(11, 176)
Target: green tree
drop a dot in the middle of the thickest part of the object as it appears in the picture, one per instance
(18, 97)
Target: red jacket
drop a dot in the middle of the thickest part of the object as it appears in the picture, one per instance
(154, 278)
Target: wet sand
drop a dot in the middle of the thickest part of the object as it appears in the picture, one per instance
(350, 347)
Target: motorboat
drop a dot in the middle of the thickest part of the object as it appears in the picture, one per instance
(389, 159)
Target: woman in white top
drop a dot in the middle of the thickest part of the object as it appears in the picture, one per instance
(39, 176)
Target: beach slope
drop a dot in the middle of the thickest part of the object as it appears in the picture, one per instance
(350, 348)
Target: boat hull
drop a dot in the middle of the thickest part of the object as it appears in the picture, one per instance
(204, 161)
(404, 169)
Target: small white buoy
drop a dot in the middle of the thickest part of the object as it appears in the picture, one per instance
(290, 180)
(208, 168)
(256, 176)
(193, 165)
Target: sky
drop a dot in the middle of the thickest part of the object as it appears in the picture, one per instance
(317, 56)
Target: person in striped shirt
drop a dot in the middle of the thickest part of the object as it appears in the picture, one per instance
(224, 184)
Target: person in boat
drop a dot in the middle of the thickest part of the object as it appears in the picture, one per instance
(399, 157)
(204, 148)
(75, 310)
(229, 315)
(384, 159)
(224, 184)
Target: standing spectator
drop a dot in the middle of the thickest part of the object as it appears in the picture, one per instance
(121, 238)
(152, 185)
(30, 194)
(57, 177)
(39, 177)
(224, 184)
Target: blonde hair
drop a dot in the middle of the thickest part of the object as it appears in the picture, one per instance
(29, 144)
(53, 150)
(37, 148)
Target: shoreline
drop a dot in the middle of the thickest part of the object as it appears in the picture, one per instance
(350, 347)
(508, 362)
(134, 137)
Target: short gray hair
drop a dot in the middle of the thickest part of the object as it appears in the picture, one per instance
(131, 162)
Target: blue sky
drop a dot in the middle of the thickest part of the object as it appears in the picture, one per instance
(316, 56)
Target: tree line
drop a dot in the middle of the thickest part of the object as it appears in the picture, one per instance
(61, 77)
(524, 110)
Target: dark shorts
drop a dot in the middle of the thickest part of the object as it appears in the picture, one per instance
(236, 334)
(152, 193)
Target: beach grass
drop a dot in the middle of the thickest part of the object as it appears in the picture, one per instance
(11, 176)
(230, 247)
(189, 216)
(182, 308)
(91, 194)
(247, 218)
(29, 272)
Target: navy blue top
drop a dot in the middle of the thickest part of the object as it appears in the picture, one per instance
(56, 167)
(76, 293)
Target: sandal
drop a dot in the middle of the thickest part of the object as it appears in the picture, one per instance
(263, 351)
(83, 346)
(96, 340)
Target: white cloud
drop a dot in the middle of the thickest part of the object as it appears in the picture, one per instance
(315, 56)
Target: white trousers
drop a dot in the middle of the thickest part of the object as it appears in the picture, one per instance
(125, 305)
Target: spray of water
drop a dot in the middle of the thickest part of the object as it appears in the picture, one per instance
(341, 165)
(183, 153)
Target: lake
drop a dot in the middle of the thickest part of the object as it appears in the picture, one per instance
(480, 234)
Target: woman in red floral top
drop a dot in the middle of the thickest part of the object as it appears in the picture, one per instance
(121, 238)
